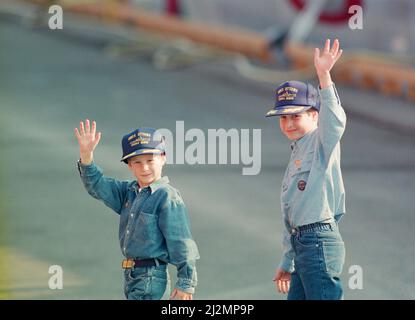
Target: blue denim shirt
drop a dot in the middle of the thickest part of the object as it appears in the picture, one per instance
(312, 188)
(153, 221)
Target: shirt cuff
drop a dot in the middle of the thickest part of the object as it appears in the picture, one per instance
(287, 264)
(86, 169)
(185, 285)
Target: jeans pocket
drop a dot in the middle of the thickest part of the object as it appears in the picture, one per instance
(158, 287)
(334, 256)
(308, 239)
(139, 288)
(160, 274)
(138, 273)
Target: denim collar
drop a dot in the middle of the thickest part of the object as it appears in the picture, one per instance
(153, 187)
(159, 183)
(298, 143)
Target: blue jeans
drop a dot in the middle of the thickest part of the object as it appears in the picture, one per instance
(147, 283)
(319, 258)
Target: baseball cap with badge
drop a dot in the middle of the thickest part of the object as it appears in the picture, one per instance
(142, 141)
(293, 97)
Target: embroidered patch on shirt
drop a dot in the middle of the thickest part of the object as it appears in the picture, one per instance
(301, 185)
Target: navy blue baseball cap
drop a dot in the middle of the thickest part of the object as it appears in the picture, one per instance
(293, 97)
(142, 141)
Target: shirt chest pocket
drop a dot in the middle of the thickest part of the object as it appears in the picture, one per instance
(147, 228)
(302, 166)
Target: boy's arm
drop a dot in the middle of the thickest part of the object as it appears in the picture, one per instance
(282, 276)
(332, 118)
(287, 261)
(110, 191)
(183, 252)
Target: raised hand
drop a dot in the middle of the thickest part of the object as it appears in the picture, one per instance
(325, 61)
(88, 139)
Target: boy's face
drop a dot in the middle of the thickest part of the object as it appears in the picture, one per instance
(147, 168)
(295, 126)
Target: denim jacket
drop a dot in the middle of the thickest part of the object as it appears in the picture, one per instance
(312, 188)
(153, 221)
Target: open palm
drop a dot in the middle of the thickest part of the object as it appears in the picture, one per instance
(87, 137)
(325, 61)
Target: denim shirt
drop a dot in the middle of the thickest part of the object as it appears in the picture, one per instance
(312, 188)
(153, 221)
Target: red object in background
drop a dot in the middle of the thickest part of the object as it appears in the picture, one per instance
(331, 17)
(172, 7)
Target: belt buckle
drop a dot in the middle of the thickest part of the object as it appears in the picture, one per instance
(127, 263)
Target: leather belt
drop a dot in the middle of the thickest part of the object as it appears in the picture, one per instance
(131, 263)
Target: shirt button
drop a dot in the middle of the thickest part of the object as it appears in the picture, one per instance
(293, 230)
(131, 215)
(128, 232)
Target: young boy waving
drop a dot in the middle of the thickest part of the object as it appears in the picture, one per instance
(312, 195)
(154, 227)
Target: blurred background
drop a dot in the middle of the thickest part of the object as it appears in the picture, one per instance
(212, 64)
